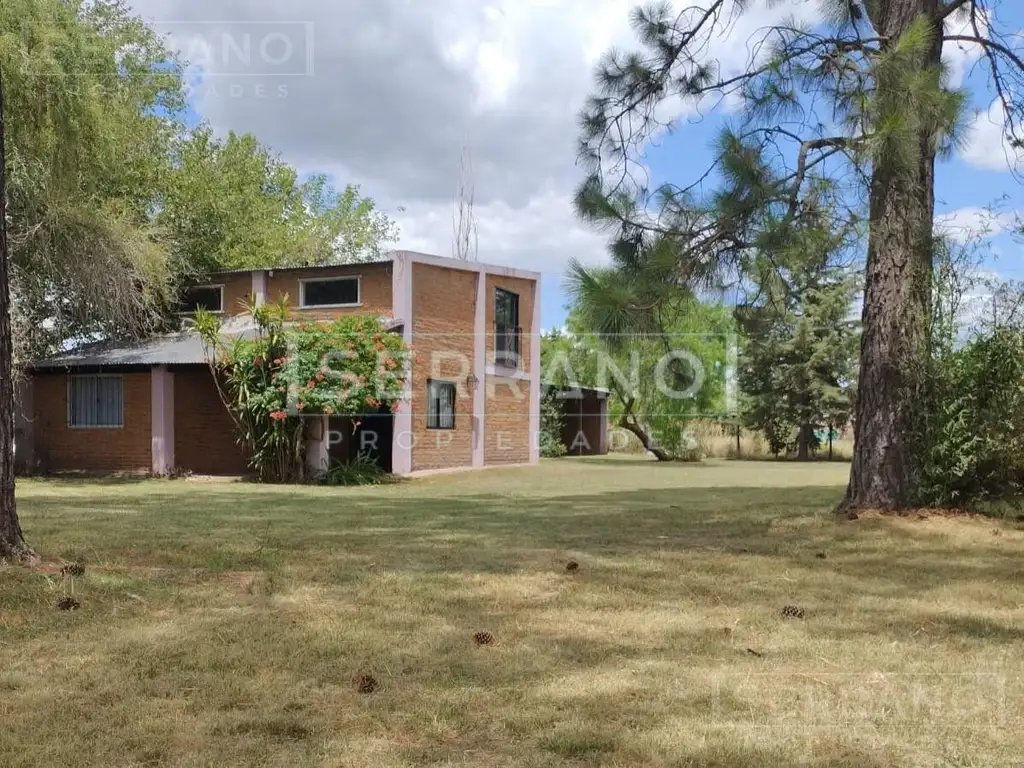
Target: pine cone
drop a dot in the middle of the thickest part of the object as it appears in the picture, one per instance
(572, 566)
(483, 638)
(367, 684)
(68, 604)
(73, 569)
(793, 612)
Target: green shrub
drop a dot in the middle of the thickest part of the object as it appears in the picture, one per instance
(552, 420)
(344, 367)
(362, 470)
(974, 436)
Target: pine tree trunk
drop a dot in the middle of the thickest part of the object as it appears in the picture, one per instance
(897, 303)
(12, 543)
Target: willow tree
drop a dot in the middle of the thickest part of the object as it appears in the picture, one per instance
(857, 105)
(92, 102)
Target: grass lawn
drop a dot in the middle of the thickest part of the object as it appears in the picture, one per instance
(226, 624)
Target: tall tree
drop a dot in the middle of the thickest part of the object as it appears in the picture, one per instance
(94, 102)
(231, 203)
(12, 542)
(799, 356)
(665, 371)
(858, 104)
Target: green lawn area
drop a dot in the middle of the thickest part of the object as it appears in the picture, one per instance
(226, 624)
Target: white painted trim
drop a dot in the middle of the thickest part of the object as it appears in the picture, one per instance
(603, 425)
(401, 301)
(535, 375)
(162, 414)
(259, 287)
(318, 454)
(455, 470)
(219, 286)
(468, 266)
(480, 370)
(501, 372)
(331, 279)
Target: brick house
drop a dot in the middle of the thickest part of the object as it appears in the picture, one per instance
(473, 396)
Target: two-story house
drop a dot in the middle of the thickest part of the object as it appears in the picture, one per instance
(473, 395)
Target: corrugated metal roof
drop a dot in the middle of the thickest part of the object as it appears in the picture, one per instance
(384, 259)
(182, 348)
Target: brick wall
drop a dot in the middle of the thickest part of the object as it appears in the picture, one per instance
(444, 312)
(59, 448)
(237, 292)
(507, 421)
(205, 437)
(374, 289)
(525, 289)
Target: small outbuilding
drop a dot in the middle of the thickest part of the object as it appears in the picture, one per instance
(585, 420)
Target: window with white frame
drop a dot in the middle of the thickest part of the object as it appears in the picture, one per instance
(440, 405)
(96, 402)
(206, 297)
(329, 292)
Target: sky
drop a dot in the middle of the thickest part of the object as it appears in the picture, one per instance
(390, 94)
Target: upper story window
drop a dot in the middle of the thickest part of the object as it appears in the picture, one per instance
(95, 402)
(208, 297)
(507, 331)
(329, 292)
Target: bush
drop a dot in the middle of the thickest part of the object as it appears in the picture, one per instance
(974, 434)
(552, 420)
(344, 367)
(362, 470)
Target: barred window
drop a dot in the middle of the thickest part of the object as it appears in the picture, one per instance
(96, 402)
(440, 405)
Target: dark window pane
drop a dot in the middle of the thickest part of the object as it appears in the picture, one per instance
(210, 298)
(506, 328)
(506, 309)
(440, 405)
(323, 293)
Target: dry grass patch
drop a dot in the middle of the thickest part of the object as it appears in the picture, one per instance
(228, 624)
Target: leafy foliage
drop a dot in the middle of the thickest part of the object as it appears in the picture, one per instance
(798, 365)
(665, 370)
(288, 371)
(94, 101)
(848, 114)
(552, 419)
(362, 470)
(977, 422)
(231, 204)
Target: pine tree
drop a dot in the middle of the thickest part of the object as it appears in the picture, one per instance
(859, 103)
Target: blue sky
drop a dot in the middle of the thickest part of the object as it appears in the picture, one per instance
(400, 91)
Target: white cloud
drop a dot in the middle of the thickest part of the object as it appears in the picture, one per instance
(988, 147)
(398, 88)
(972, 222)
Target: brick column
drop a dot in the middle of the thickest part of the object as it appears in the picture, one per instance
(162, 407)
